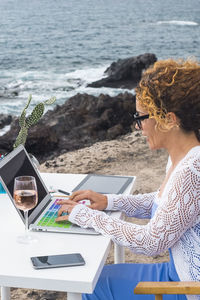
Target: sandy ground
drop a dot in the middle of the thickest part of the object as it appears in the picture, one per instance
(128, 155)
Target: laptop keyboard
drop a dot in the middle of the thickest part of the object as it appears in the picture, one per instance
(48, 220)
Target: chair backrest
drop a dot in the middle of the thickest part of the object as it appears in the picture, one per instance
(168, 287)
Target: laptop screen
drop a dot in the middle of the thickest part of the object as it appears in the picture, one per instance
(18, 163)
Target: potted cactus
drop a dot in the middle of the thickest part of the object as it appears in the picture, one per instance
(26, 122)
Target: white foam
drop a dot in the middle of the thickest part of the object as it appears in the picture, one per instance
(4, 129)
(43, 85)
(87, 75)
(178, 22)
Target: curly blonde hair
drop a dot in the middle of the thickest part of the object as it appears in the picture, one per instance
(172, 86)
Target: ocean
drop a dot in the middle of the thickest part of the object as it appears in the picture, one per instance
(56, 47)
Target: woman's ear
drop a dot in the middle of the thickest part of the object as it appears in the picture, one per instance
(172, 120)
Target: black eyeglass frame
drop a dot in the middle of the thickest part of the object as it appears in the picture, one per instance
(138, 119)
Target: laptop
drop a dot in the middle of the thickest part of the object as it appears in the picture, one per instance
(42, 217)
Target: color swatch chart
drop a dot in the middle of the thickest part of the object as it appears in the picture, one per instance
(48, 220)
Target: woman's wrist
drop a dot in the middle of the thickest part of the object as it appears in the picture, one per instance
(74, 212)
(81, 215)
(109, 199)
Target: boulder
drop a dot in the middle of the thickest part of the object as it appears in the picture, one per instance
(5, 119)
(81, 121)
(125, 73)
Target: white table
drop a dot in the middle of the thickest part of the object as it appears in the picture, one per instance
(15, 266)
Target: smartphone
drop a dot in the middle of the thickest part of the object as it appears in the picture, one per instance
(56, 261)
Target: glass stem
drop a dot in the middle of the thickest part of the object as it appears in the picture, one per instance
(26, 221)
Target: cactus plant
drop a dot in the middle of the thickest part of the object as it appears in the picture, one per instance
(26, 122)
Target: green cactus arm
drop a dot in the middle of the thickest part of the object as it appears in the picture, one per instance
(29, 101)
(50, 101)
(33, 118)
(36, 114)
(21, 138)
(22, 118)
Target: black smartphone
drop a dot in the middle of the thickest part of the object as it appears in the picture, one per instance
(56, 261)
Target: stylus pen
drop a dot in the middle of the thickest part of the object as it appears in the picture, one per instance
(63, 192)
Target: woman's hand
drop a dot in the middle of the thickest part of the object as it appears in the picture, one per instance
(97, 201)
(65, 209)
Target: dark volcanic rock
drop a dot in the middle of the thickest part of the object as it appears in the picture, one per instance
(80, 122)
(125, 73)
(5, 120)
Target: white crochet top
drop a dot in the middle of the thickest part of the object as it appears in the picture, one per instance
(175, 223)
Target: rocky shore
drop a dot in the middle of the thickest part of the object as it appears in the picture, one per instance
(83, 119)
(125, 73)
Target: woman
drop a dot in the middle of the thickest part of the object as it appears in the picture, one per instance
(168, 114)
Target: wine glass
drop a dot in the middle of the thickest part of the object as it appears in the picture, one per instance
(26, 197)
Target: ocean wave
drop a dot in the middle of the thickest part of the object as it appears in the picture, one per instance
(5, 129)
(178, 22)
(43, 85)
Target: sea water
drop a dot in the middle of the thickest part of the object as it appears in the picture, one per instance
(56, 47)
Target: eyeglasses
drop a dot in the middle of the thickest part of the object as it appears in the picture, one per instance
(138, 119)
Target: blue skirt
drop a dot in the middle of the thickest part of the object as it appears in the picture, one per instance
(117, 282)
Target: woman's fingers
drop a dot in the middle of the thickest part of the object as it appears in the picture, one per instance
(63, 209)
(62, 218)
(80, 195)
(97, 200)
(68, 202)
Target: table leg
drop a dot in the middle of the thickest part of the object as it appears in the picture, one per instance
(5, 293)
(74, 296)
(118, 254)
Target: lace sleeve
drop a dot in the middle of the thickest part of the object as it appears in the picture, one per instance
(179, 208)
(132, 205)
